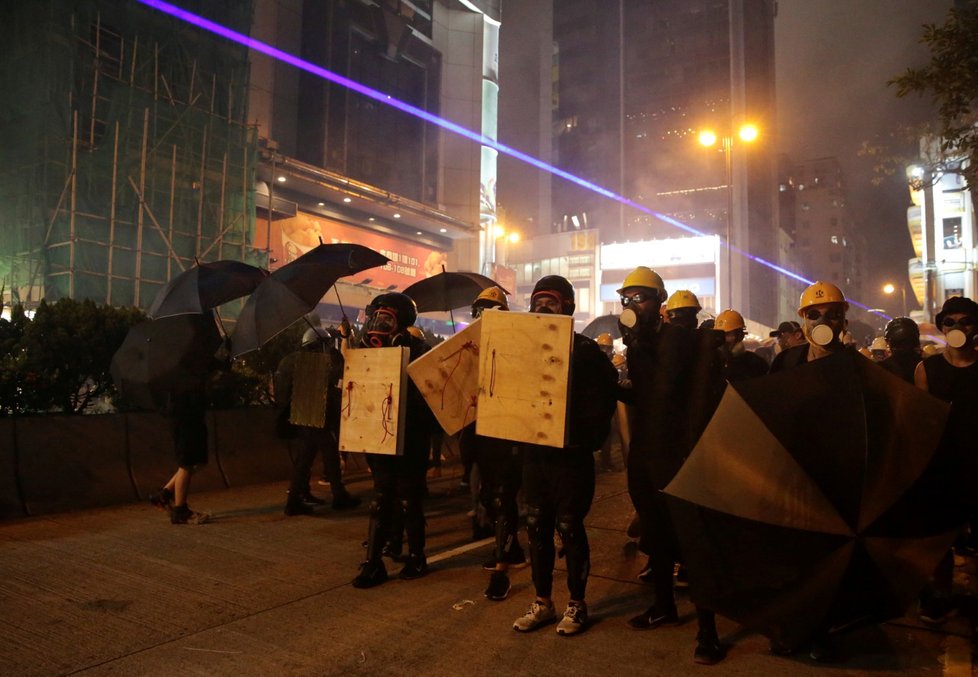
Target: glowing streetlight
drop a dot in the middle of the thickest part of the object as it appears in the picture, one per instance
(889, 288)
(513, 237)
(747, 133)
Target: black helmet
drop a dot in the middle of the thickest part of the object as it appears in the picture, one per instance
(555, 284)
(902, 332)
(403, 306)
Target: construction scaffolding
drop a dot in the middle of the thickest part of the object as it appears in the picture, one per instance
(125, 152)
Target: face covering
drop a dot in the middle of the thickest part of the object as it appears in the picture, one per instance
(380, 329)
(822, 334)
(738, 349)
(956, 338)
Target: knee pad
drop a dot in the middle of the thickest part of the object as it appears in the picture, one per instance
(569, 528)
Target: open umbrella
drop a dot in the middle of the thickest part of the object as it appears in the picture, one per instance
(295, 289)
(160, 357)
(447, 291)
(206, 286)
(605, 324)
(816, 498)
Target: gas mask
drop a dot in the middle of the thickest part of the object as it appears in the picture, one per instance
(737, 349)
(381, 329)
(959, 332)
(827, 327)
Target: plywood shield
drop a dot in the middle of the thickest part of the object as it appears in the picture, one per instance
(524, 377)
(374, 398)
(309, 385)
(448, 378)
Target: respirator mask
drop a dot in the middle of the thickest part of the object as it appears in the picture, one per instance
(380, 329)
(959, 332)
(827, 326)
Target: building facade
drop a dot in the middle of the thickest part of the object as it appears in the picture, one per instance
(636, 82)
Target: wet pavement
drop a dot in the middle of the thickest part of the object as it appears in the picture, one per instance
(121, 591)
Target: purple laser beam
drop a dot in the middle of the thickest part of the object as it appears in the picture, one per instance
(285, 57)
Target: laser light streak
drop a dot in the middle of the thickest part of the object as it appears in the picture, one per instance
(284, 57)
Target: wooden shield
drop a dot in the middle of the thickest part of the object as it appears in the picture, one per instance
(309, 385)
(374, 398)
(524, 377)
(448, 378)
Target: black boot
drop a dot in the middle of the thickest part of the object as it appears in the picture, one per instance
(294, 505)
(415, 567)
(372, 574)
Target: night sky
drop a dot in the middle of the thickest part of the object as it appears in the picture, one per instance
(833, 60)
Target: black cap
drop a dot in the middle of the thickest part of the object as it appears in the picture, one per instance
(787, 327)
(957, 304)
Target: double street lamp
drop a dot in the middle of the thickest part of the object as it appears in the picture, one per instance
(746, 133)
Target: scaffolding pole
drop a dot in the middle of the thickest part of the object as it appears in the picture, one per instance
(142, 207)
(112, 203)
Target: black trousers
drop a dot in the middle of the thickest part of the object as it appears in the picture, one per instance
(397, 479)
(314, 441)
(558, 486)
(501, 470)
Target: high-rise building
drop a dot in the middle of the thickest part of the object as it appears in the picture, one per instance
(636, 82)
(815, 211)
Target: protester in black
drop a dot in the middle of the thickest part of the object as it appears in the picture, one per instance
(397, 477)
(739, 364)
(667, 385)
(953, 377)
(558, 484)
(903, 337)
(316, 440)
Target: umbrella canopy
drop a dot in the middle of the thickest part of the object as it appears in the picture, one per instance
(606, 324)
(169, 355)
(816, 498)
(295, 289)
(206, 286)
(447, 291)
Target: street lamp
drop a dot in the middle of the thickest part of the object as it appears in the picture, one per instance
(889, 288)
(746, 133)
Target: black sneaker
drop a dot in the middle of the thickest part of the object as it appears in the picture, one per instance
(708, 651)
(182, 514)
(297, 507)
(371, 574)
(490, 562)
(162, 500)
(498, 587)
(936, 610)
(415, 567)
(345, 501)
(313, 500)
(653, 617)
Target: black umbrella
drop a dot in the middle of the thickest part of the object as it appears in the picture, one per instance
(447, 291)
(160, 357)
(295, 289)
(816, 499)
(606, 324)
(206, 286)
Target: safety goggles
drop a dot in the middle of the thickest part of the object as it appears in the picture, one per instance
(965, 321)
(637, 297)
(834, 315)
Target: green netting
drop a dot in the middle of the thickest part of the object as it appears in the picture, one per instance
(109, 102)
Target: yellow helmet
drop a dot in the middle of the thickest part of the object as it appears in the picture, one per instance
(604, 340)
(415, 332)
(683, 298)
(729, 320)
(820, 292)
(494, 296)
(644, 276)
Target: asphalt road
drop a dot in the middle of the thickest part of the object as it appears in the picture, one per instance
(121, 591)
